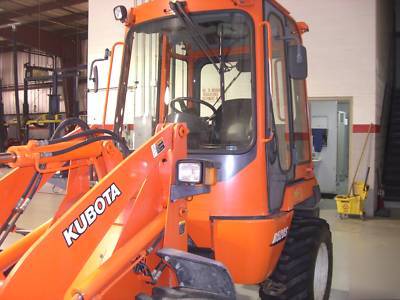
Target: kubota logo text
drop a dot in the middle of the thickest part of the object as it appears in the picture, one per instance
(90, 214)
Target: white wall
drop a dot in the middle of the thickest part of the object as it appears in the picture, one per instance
(349, 46)
(341, 50)
(104, 31)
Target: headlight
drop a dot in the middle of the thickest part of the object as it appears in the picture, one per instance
(189, 172)
(120, 13)
(196, 171)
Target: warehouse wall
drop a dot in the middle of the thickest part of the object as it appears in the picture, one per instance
(83, 86)
(349, 58)
(38, 98)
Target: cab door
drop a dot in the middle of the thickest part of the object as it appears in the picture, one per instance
(280, 158)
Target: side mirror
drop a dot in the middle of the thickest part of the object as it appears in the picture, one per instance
(107, 53)
(94, 71)
(297, 60)
(95, 79)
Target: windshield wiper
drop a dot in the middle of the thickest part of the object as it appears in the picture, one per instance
(197, 36)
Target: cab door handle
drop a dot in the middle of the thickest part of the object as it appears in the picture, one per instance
(268, 139)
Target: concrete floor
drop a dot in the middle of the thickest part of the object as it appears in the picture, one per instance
(366, 259)
(366, 253)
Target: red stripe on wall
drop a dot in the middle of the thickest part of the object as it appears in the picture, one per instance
(364, 128)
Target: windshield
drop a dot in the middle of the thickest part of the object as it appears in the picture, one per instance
(195, 62)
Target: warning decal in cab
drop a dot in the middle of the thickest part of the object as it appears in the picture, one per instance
(157, 148)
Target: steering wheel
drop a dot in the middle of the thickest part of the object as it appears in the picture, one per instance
(183, 106)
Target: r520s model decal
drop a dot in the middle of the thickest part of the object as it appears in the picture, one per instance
(280, 235)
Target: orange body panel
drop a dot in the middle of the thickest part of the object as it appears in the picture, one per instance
(297, 193)
(246, 246)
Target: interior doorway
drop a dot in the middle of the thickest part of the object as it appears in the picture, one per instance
(330, 124)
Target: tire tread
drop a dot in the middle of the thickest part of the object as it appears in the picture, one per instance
(295, 266)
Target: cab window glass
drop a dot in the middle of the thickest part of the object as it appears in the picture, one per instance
(178, 72)
(237, 85)
(279, 91)
(300, 116)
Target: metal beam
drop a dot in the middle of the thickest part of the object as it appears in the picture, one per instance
(45, 41)
(5, 17)
(10, 48)
(69, 18)
(47, 21)
(81, 33)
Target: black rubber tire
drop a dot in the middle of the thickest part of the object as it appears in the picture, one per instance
(294, 273)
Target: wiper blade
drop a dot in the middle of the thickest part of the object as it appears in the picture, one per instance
(197, 36)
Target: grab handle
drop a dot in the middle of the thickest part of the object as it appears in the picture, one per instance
(109, 79)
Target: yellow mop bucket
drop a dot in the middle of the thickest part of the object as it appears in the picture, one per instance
(352, 204)
(361, 189)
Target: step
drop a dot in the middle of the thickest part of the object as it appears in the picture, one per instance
(391, 189)
(394, 142)
(394, 127)
(391, 199)
(389, 181)
(392, 150)
(392, 135)
(391, 169)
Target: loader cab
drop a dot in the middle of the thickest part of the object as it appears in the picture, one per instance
(219, 122)
(193, 68)
(234, 72)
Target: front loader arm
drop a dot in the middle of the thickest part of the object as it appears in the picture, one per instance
(56, 261)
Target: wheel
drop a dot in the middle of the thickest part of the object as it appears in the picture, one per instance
(304, 270)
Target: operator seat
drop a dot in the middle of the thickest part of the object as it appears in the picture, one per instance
(235, 122)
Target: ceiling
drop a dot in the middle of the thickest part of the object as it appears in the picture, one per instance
(44, 19)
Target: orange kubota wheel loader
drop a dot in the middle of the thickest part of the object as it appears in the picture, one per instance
(221, 191)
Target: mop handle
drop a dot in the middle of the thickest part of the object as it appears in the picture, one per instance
(366, 179)
(362, 155)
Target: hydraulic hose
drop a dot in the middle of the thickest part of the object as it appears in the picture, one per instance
(89, 132)
(19, 209)
(69, 122)
(85, 143)
(34, 183)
